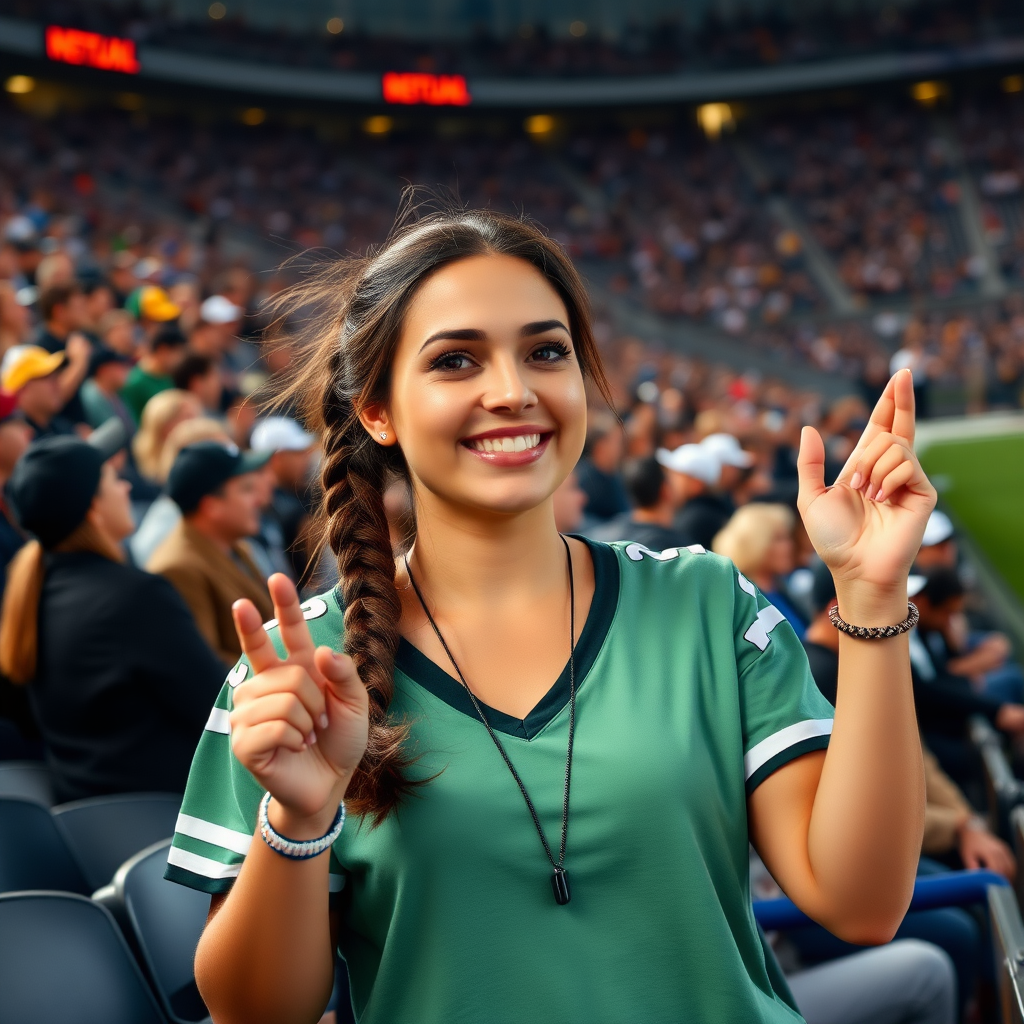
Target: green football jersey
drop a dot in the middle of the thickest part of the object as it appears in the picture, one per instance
(691, 689)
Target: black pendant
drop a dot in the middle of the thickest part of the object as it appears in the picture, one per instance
(560, 885)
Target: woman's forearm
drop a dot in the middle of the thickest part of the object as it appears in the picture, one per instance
(265, 955)
(867, 821)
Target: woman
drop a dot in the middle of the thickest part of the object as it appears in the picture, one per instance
(758, 540)
(163, 412)
(457, 356)
(118, 678)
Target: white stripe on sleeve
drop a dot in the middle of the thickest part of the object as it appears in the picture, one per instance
(767, 619)
(215, 835)
(761, 753)
(205, 866)
(219, 721)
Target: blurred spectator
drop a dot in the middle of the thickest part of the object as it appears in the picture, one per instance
(14, 318)
(161, 415)
(218, 491)
(118, 678)
(32, 375)
(282, 530)
(692, 471)
(152, 373)
(62, 308)
(15, 435)
(569, 500)
(938, 545)
(200, 376)
(654, 507)
(759, 540)
(116, 330)
(163, 514)
(101, 391)
(152, 308)
(598, 470)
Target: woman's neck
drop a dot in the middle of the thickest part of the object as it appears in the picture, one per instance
(478, 560)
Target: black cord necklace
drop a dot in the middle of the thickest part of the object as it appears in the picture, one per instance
(559, 879)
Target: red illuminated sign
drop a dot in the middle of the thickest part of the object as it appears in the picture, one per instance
(91, 50)
(434, 90)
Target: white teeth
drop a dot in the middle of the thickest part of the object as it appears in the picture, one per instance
(521, 443)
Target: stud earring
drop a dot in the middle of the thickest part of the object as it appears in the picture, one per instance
(383, 436)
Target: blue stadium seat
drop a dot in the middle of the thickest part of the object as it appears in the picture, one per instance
(103, 832)
(166, 920)
(33, 853)
(26, 780)
(64, 960)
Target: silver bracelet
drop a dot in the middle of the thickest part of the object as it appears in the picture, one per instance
(298, 849)
(875, 632)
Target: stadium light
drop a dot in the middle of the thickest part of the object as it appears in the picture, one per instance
(540, 126)
(929, 93)
(578, 29)
(217, 11)
(253, 116)
(335, 26)
(1013, 83)
(379, 124)
(714, 118)
(19, 84)
(128, 101)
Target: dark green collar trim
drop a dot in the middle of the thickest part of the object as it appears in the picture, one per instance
(420, 669)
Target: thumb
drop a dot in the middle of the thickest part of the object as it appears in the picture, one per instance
(810, 466)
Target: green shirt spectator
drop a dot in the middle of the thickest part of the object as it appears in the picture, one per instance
(152, 373)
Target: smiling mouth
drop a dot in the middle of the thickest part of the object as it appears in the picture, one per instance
(508, 445)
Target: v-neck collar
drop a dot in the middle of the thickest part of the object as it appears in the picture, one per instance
(420, 669)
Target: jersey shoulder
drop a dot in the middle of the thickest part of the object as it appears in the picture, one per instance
(325, 617)
(671, 565)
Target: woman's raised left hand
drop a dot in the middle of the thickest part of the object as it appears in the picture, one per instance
(867, 527)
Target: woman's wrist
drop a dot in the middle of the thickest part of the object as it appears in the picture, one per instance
(297, 825)
(869, 604)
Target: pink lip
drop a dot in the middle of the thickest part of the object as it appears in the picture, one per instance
(512, 458)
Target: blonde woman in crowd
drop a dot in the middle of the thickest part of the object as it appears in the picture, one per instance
(759, 539)
(162, 413)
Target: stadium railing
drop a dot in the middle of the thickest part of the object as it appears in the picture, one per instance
(1004, 791)
(1008, 950)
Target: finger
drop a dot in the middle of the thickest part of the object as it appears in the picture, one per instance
(857, 470)
(285, 679)
(893, 457)
(342, 678)
(258, 743)
(284, 707)
(291, 625)
(256, 645)
(903, 416)
(971, 860)
(810, 464)
(900, 477)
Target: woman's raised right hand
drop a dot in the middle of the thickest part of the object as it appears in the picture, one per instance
(300, 724)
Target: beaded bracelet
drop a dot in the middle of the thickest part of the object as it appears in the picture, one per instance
(875, 632)
(297, 849)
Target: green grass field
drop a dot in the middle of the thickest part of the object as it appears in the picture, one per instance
(981, 482)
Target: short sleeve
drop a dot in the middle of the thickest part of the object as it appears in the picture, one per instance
(217, 822)
(783, 712)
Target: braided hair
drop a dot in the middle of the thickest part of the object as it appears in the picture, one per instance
(349, 314)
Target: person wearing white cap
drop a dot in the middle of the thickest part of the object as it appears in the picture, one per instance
(733, 458)
(292, 451)
(938, 546)
(695, 471)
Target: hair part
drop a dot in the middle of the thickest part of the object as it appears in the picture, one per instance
(348, 316)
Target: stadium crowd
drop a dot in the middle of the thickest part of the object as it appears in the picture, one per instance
(138, 449)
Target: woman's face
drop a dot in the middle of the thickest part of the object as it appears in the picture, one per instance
(487, 398)
(111, 509)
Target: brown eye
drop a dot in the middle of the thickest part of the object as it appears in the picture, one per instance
(550, 352)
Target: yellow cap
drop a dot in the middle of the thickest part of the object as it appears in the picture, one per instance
(152, 303)
(25, 363)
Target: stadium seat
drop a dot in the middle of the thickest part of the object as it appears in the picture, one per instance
(103, 832)
(26, 780)
(64, 960)
(1008, 952)
(1003, 789)
(166, 920)
(33, 852)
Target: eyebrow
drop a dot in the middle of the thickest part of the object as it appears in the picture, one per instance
(529, 330)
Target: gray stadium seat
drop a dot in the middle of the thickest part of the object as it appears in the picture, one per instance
(1008, 950)
(166, 920)
(103, 832)
(1003, 790)
(33, 852)
(64, 960)
(26, 780)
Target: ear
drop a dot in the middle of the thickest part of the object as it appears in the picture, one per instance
(377, 423)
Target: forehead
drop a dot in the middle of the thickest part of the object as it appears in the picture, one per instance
(492, 293)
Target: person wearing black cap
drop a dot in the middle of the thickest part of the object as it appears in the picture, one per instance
(220, 496)
(100, 394)
(119, 680)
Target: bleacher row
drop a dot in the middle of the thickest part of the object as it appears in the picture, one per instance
(92, 932)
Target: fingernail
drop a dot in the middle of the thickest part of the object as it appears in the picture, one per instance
(856, 480)
(236, 604)
(880, 496)
(311, 738)
(323, 721)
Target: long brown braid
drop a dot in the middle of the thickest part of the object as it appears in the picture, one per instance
(346, 317)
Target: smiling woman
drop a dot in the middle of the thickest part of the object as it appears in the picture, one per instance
(520, 715)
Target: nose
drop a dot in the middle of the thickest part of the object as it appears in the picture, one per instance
(505, 390)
